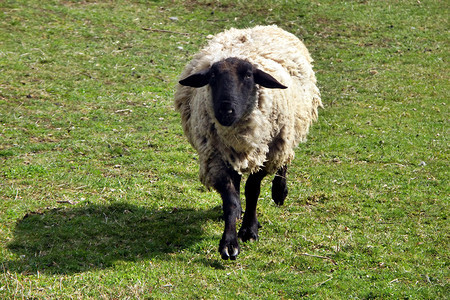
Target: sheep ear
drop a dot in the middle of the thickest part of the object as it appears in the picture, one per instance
(196, 80)
(266, 80)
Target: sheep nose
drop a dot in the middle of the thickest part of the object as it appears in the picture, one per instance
(229, 111)
(226, 110)
(226, 114)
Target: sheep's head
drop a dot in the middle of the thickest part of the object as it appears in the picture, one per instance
(233, 84)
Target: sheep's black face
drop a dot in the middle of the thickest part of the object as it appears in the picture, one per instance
(233, 90)
(233, 85)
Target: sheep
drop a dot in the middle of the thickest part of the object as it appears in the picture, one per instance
(246, 100)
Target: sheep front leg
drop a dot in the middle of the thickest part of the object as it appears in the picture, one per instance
(229, 189)
(250, 224)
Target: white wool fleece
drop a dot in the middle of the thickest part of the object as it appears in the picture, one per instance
(266, 138)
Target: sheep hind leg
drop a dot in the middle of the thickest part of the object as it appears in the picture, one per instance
(279, 187)
(228, 187)
(250, 224)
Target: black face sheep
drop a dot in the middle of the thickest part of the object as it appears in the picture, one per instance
(246, 101)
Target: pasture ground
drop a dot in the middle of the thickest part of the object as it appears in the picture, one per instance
(99, 196)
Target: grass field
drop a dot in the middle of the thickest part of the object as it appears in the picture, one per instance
(99, 189)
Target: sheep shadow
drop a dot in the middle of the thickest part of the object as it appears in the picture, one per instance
(74, 240)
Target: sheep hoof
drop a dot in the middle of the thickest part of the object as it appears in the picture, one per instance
(229, 249)
(248, 234)
(279, 194)
(279, 202)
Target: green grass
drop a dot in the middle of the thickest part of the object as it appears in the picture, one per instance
(99, 190)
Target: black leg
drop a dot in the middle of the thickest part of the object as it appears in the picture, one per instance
(279, 188)
(228, 187)
(249, 228)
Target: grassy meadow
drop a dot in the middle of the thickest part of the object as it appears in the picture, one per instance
(99, 189)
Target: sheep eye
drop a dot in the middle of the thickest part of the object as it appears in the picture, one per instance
(212, 77)
(248, 75)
